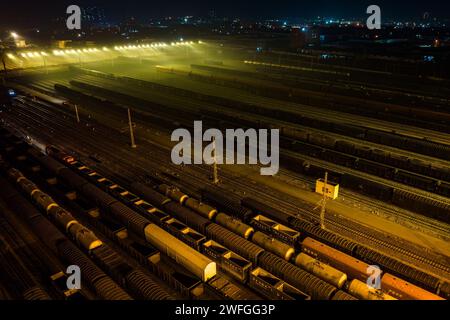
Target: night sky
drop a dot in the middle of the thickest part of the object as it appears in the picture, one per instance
(34, 13)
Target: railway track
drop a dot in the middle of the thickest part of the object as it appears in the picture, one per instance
(321, 97)
(239, 95)
(101, 82)
(427, 194)
(433, 225)
(396, 84)
(200, 181)
(358, 87)
(110, 237)
(369, 236)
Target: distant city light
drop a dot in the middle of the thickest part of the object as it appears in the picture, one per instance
(14, 35)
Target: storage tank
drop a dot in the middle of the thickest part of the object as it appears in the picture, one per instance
(234, 225)
(273, 245)
(363, 291)
(321, 270)
(205, 210)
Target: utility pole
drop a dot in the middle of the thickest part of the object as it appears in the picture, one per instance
(324, 201)
(76, 114)
(215, 173)
(133, 144)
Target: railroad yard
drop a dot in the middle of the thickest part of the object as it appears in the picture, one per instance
(75, 191)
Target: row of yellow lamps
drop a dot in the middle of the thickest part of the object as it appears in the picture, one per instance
(92, 50)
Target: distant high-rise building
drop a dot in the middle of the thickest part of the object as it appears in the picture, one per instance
(93, 16)
(129, 25)
(313, 35)
(298, 38)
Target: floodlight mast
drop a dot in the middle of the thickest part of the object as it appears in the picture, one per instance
(130, 123)
(215, 170)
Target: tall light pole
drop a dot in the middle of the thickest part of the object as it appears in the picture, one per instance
(215, 171)
(45, 62)
(130, 123)
(76, 114)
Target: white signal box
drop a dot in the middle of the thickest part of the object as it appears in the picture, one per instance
(331, 189)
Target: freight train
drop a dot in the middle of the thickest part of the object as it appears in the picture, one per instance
(417, 173)
(414, 144)
(362, 158)
(199, 265)
(405, 199)
(329, 271)
(137, 281)
(426, 206)
(193, 261)
(322, 98)
(307, 262)
(243, 250)
(276, 265)
(346, 255)
(273, 263)
(373, 135)
(174, 248)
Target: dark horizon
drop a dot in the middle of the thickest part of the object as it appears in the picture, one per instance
(35, 14)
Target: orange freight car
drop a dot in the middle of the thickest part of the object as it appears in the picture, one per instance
(404, 290)
(354, 268)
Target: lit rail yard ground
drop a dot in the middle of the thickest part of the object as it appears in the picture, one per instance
(76, 191)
